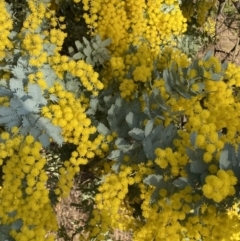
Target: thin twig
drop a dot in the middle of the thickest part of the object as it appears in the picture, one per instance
(236, 4)
(235, 51)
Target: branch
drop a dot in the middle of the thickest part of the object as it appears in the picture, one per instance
(221, 6)
(236, 5)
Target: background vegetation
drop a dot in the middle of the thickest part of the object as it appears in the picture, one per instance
(119, 120)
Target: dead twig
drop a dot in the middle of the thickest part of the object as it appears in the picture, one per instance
(235, 51)
(236, 4)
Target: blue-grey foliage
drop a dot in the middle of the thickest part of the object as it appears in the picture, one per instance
(93, 52)
(139, 131)
(25, 102)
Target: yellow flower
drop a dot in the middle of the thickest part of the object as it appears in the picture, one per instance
(210, 148)
(29, 139)
(29, 190)
(207, 189)
(213, 168)
(195, 87)
(31, 182)
(26, 150)
(160, 153)
(42, 83)
(163, 192)
(34, 172)
(163, 163)
(213, 137)
(5, 135)
(141, 73)
(30, 160)
(205, 114)
(207, 157)
(200, 140)
(204, 129)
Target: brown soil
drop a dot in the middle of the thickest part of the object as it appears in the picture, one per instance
(227, 46)
(72, 218)
(69, 216)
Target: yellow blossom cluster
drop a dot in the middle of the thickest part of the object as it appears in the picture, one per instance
(33, 41)
(219, 186)
(76, 127)
(85, 72)
(203, 8)
(169, 213)
(112, 211)
(159, 84)
(140, 170)
(211, 225)
(232, 75)
(204, 116)
(54, 21)
(34, 20)
(129, 21)
(65, 181)
(142, 73)
(170, 55)
(212, 64)
(4, 101)
(39, 11)
(6, 26)
(175, 160)
(39, 60)
(187, 10)
(68, 114)
(138, 63)
(117, 66)
(163, 24)
(33, 44)
(176, 221)
(57, 36)
(209, 27)
(38, 78)
(24, 187)
(104, 143)
(108, 201)
(198, 10)
(101, 145)
(84, 152)
(128, 87)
